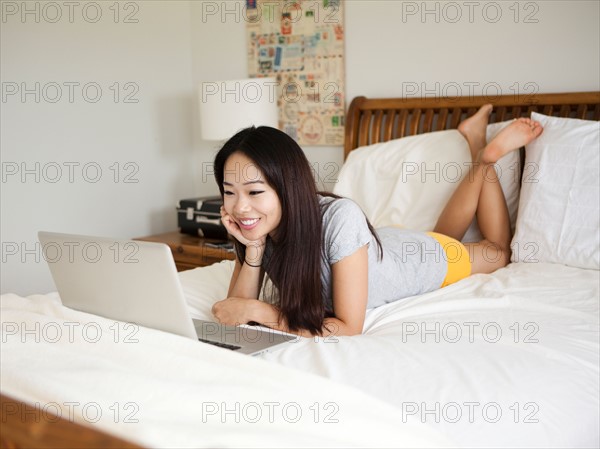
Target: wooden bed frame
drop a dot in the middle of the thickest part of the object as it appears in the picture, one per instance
(26, 426)
(377, 120)
(368, 121)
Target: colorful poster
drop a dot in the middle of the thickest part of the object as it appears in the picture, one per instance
(301, 44)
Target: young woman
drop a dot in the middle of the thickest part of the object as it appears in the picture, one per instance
(326, 262)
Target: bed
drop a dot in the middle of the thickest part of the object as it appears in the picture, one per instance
(509, 359)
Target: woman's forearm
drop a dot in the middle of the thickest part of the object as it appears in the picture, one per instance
(248, 282)
(249, 275)
(268, 315)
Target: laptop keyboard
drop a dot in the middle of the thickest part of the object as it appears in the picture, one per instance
(221, 345)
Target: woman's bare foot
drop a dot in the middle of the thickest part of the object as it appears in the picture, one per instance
(474, 129)
(520, 132)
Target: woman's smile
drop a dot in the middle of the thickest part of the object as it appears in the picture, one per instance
(248, 223)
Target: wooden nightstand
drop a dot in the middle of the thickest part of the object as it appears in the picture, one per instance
(190, 251)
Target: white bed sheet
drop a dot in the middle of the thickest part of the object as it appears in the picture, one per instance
(541, 374)
(163, 390)
(509, 359)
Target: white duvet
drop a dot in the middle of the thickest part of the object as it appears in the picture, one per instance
(509, 359)
(503, 360)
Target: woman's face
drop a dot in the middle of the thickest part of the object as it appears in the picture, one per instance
(249, 199)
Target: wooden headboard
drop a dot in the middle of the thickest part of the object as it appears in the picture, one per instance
(373, 120)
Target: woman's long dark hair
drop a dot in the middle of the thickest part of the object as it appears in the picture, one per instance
(293, 258)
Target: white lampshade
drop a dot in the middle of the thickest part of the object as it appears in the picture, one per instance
(229, 106)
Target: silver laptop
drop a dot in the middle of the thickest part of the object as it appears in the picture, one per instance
(137, 282)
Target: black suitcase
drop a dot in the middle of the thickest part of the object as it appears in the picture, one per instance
(201, 216)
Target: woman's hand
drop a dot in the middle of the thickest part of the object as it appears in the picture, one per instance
(254, 248)
(233, 311)
(231, 226)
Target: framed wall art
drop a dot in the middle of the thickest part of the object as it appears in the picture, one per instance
(301, 44)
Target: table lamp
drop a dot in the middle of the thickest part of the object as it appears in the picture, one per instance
(229, 106)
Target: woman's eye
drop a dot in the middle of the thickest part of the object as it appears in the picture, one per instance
(256, 192)
(227, 192)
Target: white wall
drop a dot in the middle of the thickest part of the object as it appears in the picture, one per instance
(154, 135)
(552, 44)
(391, 50)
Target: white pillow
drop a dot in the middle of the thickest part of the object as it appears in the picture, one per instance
(204, 286)
(559, 217)
(408, 181)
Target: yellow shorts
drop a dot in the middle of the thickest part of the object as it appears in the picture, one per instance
(459, 264)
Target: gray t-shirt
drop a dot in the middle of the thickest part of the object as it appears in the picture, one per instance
(412, 263)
